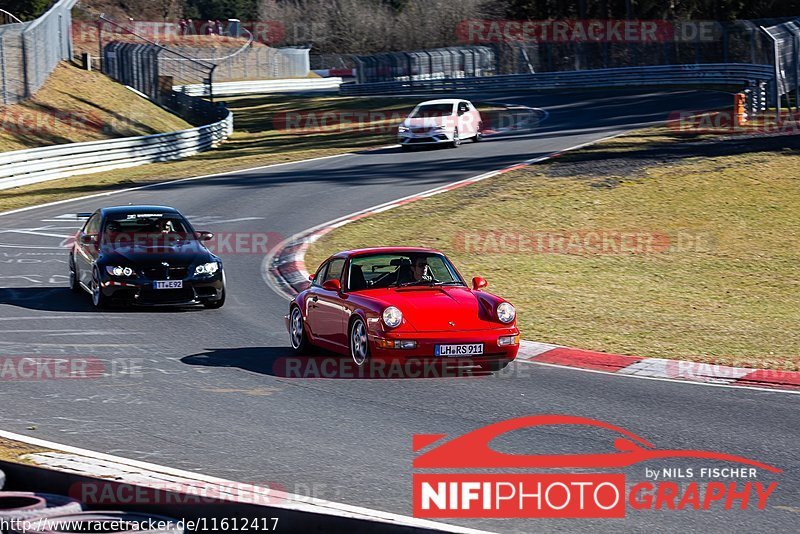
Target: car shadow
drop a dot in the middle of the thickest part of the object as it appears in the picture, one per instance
(62, 299)
(283, 362)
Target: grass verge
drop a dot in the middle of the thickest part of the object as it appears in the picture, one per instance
(13, 451)
(656, 243)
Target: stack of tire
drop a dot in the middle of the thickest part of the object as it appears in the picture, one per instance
(23, 512)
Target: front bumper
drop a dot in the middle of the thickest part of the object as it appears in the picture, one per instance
(428, 137)
(426, 345)
(141, 292)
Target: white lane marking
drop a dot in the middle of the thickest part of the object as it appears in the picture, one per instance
(293, 501)
(37, 317)
(169, 182)
(35, 232)
(673, 380)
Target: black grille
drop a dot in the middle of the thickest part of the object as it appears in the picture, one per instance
(164, 273)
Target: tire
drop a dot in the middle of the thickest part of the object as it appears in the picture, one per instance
(456, 142)
(2, 479)
(93, 521)
(359, 342)
(74, 285)
(405, 148)
(478, 137)
(216, 304)
(26, 505)
(297, 331)
(99, 300)
(494, 367)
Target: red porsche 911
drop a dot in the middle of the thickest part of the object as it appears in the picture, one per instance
(402, 302)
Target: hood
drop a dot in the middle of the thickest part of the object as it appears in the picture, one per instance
(428, 122)
(179, 254)
(432, 309)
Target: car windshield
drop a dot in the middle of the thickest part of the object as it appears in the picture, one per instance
(432, 110)
(147, 228)
(401, 269)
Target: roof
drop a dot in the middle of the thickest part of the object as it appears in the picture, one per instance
(115, 210)
(444, 101)
(385, 250)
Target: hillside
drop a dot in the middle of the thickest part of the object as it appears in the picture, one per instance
(74, 106)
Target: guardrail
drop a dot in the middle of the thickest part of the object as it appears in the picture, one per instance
(261, 86)
(23, 167)
(661, 75)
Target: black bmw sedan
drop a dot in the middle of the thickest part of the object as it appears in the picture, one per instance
(145, 255)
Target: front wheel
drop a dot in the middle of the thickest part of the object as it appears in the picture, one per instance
(359, 344)
(297, 331)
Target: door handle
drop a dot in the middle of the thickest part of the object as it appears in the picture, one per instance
(314, 299)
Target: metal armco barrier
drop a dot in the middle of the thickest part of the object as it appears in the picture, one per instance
(261, 86)
(23, 167)
(662, 75)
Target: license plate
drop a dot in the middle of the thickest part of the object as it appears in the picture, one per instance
(168, 284)
(454, 351)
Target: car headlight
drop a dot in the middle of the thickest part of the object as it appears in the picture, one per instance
(116, 270)
(506, 312)
(403, 129)
(206, 268)
(392, 316)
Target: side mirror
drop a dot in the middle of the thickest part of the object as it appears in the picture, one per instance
(478, 283)
(89, 239)
(332, 285)
(205, 236)
(310, 277)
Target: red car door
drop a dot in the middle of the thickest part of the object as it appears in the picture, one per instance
(326, 310)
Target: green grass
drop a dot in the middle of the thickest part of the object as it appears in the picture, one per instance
(728, 293)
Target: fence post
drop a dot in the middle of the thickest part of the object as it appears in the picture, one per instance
(3, 71)
(776, 64)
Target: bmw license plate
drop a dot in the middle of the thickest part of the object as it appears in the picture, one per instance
(454, 351)
(168, 284)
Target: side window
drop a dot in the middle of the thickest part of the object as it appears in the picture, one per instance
(334, 270)
(92, 225)
(319, 277)
(462, 108)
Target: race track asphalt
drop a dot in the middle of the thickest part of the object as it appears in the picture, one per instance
(204, 394)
